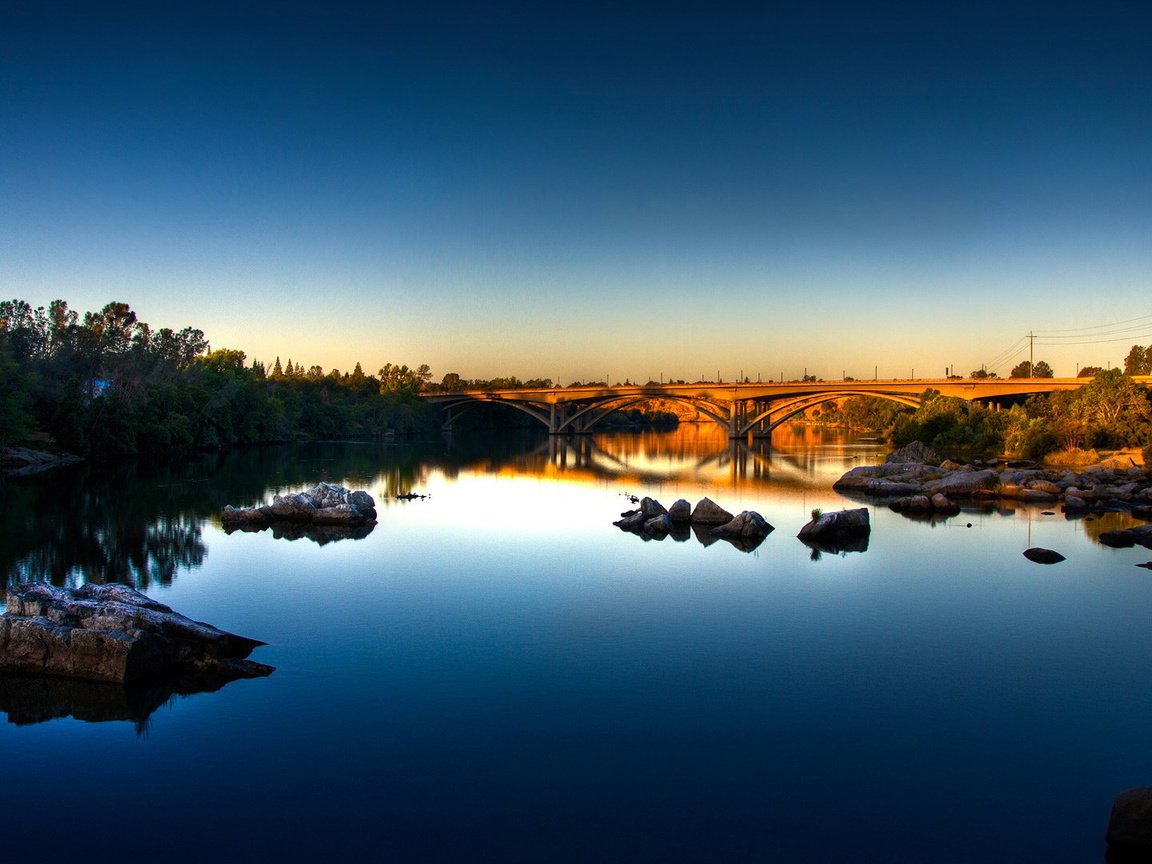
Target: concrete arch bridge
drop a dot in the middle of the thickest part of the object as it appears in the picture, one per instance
(742, 409)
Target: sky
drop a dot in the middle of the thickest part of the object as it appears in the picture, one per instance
(590, 190)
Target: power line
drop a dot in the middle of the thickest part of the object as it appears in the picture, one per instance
(1129, 338)
(1075, 330)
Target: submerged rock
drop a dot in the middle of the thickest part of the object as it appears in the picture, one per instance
(114, 633)
(1043, 556)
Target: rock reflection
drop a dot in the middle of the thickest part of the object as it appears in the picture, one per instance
(31, 699)
(837, 546)
(319, 534)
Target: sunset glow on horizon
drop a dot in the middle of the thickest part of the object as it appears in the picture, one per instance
(605, 191)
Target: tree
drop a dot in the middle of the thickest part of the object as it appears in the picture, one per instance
(113, 327)
(1025, 369)
(1138, 361)
(1089, 371)
(228, 360)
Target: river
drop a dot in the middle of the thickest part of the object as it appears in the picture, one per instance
(496, 673)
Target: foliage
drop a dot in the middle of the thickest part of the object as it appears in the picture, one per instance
(863, 413)
(1025, 369)
(1138, 361)
(107, 384)
(950, 425)
(1110, 411)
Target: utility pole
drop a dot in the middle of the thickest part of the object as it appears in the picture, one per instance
(1031, 343)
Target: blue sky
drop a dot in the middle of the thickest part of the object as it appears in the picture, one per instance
(586, 190)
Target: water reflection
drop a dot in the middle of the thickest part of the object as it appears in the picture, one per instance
(794, 458)
(318, 534)
(31, 699)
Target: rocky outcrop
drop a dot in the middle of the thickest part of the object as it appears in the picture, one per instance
(114, 633)
(923, 505)
(1097, 488)
(708, 521)
(917, 451)
(838, 531)
(323, 504)
(20, 461)
(1141, 535)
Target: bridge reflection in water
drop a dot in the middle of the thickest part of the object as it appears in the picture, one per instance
(796, 456)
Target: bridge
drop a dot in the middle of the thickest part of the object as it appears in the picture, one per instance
(744, 409)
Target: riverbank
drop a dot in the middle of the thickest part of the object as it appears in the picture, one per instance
(21, 461)
(914, 479)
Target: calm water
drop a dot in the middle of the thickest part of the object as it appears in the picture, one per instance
(496, 673)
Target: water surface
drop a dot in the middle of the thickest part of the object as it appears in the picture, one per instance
(495, 673)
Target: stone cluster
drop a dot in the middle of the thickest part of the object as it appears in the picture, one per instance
(114, 633)
(916, 486)
(323, 504)
(653, 519)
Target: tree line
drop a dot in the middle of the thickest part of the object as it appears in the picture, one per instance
(1112, 411)
(106, 383)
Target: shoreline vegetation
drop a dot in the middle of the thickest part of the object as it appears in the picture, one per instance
(107, 385)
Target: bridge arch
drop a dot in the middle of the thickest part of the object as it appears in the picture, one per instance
(619, 403)
(462, 405)
(785, 411)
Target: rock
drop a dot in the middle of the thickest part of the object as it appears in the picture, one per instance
(942, 504)
(1072, 504)
(113, 633)
(1044, 486)
(966, 484)
(323, 504)
(708, 512)
(886, 488)
(658, 526)
(633, 521)
(1025, 493)
(1043, 556)
(20, 461)
(1129, 833)
(949, 465)
(745, 525)
(680, 512)
(915, 452)
(838, 523)
(1147, 565)
(651, 508)
(1140, 535)
(1144, 513)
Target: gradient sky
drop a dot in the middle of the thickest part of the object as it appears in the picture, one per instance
(579, 190)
